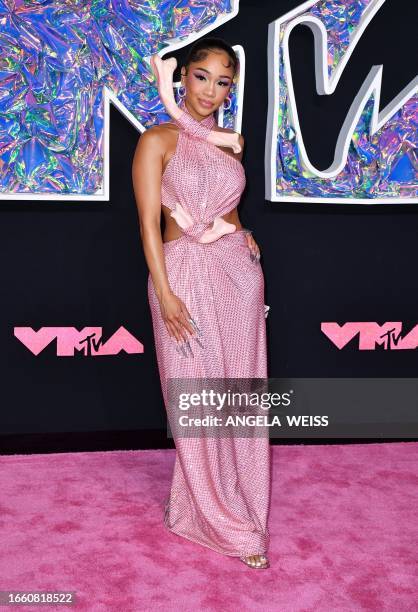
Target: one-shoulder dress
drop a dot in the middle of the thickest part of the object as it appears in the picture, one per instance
(220, 490)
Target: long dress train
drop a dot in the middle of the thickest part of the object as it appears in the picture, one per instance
(220, 491)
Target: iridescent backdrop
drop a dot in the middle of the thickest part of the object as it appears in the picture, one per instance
(383, 165)
(55, 59)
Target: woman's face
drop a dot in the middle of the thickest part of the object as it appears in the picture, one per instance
(208, 82)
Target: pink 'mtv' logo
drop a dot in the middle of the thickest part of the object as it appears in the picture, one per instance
(69, 339)
(370, 334)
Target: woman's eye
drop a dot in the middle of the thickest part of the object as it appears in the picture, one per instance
(200, 77)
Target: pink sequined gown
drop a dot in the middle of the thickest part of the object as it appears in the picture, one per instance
(220, 491)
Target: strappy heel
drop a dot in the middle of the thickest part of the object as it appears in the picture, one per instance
(262, 563)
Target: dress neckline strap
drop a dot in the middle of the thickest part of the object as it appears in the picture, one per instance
(197, 129)
(208, 121)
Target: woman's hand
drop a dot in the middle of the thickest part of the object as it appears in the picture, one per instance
(176, 317)
(253, 246)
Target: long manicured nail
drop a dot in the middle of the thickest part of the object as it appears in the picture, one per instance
(189, 347)
(193, 322)
(199, 342)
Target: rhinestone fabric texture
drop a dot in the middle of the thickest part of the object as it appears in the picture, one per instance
(220, 490)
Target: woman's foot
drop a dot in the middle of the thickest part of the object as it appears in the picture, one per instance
(256, 561)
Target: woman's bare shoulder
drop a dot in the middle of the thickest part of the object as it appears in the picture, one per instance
(169, 125)
(158, 138)
(162, 129)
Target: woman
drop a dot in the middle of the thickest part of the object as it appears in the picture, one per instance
(206, 294)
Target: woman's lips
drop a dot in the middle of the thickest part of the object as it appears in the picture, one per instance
(206, 104)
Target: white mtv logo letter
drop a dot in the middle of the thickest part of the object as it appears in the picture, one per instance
(308, 183)
(78, 168)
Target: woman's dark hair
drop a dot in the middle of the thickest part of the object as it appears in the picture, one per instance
(201, 47)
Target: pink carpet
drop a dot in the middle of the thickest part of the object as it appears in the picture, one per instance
(343, 524)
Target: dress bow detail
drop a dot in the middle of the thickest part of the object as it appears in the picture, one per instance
(201, 232)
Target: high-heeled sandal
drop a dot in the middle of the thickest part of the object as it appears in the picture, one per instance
(264, 562)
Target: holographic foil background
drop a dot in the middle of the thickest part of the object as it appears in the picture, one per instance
(379, 166)
(55, 59)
